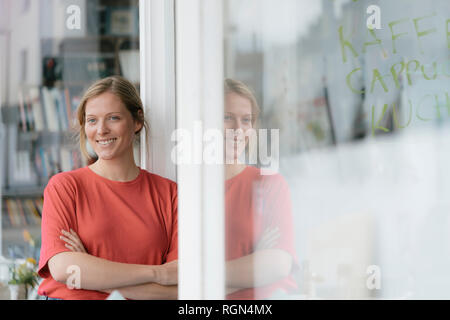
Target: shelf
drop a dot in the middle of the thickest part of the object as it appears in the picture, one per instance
(22, 192)
(15, 235)
(91, 37)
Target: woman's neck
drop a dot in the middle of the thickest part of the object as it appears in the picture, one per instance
(232, 170)
(116, 170)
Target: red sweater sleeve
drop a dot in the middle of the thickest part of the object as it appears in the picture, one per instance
(58, 213)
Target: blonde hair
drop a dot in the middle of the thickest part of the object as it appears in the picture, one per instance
(240, 88)
(126, 92)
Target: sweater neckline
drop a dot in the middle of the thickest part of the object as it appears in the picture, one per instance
(114, 182)
(240, 174)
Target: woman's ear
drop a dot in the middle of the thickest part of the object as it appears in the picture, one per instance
(139, 124)
(138, 127)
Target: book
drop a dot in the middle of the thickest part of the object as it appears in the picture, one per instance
(23, 119)
(42, 163)
(60, 109)
(39, 203)
(13, 214)
(33, 210)
(37, 109)
(29, 215)
(29, 113)
(70, 114)
(20, 171)
(3, 156)
(50, 110)
(21, 213)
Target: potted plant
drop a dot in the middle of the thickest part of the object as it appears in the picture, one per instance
(23, 277)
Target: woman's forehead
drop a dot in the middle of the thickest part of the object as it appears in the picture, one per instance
(235, 103)
(105, 103)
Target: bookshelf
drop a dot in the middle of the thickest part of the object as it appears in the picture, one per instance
(39, 129)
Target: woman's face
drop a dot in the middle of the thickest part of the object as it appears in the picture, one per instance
(109, 126)
(237, 120)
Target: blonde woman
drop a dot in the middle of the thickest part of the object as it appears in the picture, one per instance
(260, 250)
(109, 225)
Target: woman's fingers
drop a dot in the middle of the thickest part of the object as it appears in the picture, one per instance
(269, 238)
(70, 247)
(75, 235)
(270, 233)
(69, 241)
(273, 238)
(73, 240)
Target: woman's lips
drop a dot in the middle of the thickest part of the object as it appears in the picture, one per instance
(106, 142)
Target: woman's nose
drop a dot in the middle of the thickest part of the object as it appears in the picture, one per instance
(237, 124)
(102, 128)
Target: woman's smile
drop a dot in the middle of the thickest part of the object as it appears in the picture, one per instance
(106, 142)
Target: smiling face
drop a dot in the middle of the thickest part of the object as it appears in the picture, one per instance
(109, 127)
(237, 117)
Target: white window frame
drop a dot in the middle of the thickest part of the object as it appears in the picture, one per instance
(199, 84)
(157, 84)
(181, 52)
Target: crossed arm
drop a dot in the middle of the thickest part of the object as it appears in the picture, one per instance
(264, 266)
(133, 281)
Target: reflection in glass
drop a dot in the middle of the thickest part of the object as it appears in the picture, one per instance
(363, 120)
(260, 250)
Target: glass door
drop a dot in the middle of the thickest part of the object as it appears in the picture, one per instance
(349, 102)
(332, 184)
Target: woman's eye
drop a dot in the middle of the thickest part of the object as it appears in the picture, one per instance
(90, 121)
(228, 118)
(114, 118)
(247, 120)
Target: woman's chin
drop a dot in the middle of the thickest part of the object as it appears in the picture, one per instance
(106, 156)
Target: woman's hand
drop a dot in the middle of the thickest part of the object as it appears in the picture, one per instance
(269, 239)
(72, 240)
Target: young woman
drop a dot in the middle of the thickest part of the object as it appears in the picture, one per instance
(260, 250)
(109, 225)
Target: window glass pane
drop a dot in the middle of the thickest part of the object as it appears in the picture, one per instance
(353, 117)
(51, 51)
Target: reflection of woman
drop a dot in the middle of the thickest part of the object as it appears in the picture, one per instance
(260, 250)
(112, 224)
